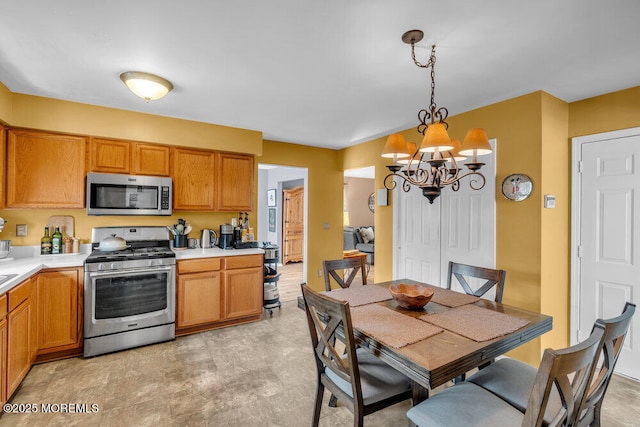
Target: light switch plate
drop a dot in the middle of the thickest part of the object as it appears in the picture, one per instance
(21, 230)
(549, 201)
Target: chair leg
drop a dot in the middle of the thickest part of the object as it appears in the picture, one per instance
(333, 401)
(318, 404)
(459, 379)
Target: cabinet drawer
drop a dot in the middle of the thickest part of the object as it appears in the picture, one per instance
(19, 294)
(198, 265)
(3, 306)
(242, 261)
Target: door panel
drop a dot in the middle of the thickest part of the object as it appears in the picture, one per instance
(609, 238)
(293, 225)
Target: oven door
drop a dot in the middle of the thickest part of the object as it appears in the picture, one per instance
(124, 300)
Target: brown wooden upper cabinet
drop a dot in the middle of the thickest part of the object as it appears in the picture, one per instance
(45, 170)
(3, 154)
(136, 158)
(235, 182)
(193, 175)
(208, 180)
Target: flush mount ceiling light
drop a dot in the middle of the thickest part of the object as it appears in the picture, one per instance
(434, 165)
(147, 86)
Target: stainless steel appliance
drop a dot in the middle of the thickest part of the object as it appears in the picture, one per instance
(129, 294)
(225, 241)
(208, 238)
(115, 194)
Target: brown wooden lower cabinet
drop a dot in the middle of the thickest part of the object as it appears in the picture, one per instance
(3, 349)
(20, 340)
(217, 292)
(59, 312)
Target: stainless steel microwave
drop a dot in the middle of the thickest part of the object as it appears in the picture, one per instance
(114, 194)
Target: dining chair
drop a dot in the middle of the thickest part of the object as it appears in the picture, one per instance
(360, 380)
(343, 271)
(511, 379)
(463, 272)
(567, 371)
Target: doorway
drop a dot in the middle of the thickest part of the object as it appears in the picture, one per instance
(605, 247)
(273, 181)
(359, 214)
(459, 226)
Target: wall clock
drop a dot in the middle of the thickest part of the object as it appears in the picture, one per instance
(372, 202)
(517, 187)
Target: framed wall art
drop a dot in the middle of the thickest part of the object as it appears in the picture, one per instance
(271, 198)
(272, 219)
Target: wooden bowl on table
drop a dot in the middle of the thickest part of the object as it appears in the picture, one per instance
(412, 297)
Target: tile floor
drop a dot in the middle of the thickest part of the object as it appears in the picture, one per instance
(258, 374)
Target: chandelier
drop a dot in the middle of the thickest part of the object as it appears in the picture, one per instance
(434, 164)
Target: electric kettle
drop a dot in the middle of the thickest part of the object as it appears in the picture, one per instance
(208, 238)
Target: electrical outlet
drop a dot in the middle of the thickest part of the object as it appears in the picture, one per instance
(21, 230)
(319, 273)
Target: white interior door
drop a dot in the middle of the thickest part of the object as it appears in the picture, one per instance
(417, 237)
(459, 226)
(609, 236)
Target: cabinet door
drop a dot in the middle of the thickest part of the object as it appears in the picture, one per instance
(3, 360)
(243, 292)
(193, 179)
(235, 182)
(18, 344)
(199, 299)
(45, 170)
(3, 153)
(109, 156)
(150, 159)
(58, 322)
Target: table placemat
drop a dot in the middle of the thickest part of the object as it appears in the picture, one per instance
(392, 328)
(451, 298)
(360, 295)
(476, 323)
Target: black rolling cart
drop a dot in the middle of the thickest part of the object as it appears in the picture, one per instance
(271, 296)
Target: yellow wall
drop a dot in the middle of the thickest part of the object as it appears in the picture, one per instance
(325, 184)
(62, 116)
(612, 111)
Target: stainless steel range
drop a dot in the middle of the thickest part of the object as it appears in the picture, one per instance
(129, 294)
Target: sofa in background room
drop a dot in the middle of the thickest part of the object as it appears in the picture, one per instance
(361, 239)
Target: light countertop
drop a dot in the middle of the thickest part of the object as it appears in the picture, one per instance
(25, 261)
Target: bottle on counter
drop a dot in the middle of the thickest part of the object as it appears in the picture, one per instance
(56, 242)
(68, 245)
(45, 243)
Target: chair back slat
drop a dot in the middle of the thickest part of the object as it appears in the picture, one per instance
(615, 331)
(569, 372)
(337, 269)
(494, 278)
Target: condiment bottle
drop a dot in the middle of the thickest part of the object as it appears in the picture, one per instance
(45, 243)
(56, 242)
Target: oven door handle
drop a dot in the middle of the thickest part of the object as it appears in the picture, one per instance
(155, 269)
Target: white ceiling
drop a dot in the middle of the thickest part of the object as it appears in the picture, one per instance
(328, 73)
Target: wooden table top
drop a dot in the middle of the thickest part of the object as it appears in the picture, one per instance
(443, 357)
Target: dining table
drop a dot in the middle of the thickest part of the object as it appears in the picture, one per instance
(453, 334)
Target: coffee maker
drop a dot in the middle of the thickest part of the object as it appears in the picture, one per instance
(225, 241)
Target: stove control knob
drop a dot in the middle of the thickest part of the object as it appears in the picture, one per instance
(100, 267)
(114, 265)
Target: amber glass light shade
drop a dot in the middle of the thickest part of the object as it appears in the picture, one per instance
(413, 149)
(455, 151)
(395, 147)
(476, 142)
(436, 138)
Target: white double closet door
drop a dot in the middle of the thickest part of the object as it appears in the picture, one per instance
(459, 226)
(606, 236)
